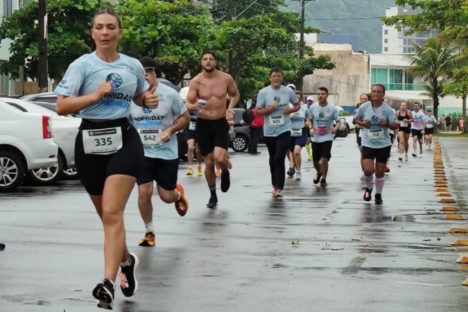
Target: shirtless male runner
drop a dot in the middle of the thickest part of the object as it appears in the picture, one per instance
(208, 93)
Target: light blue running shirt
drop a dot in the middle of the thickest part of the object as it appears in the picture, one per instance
(322, 121)
(297, 120)
(85, 74)
(430, 121)
(418, 120)
(277, 122)
(376, 136)
(151, 122)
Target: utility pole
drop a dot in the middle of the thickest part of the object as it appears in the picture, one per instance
(43, 76)
(301, 38)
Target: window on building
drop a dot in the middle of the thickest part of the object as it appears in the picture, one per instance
(385, 49)
(379, 75)
(7, 7)
(385, 40)
(385, 31)
(396, 79)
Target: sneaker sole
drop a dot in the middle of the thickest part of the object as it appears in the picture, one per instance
(136, 281)
(146, 243)
(104, 305)
(225, 181)
(104, 299)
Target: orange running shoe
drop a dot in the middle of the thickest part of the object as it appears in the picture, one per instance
(182, 204)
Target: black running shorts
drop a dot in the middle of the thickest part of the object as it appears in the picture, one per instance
(428, 130)
(211, 133)
(381, 155)
(94, 169)
(406, 130)
(163, 171)
(415, 132)
(190, 134)
(321, 150)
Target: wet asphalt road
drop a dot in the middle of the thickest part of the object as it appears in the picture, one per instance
(313, 250)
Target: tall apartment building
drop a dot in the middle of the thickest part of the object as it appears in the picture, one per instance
(395, 41)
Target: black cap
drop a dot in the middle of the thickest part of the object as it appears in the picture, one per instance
(147, 61)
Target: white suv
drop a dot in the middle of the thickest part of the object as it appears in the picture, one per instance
(25, 143)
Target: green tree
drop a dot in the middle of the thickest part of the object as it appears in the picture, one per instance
(458, 86)
(173, 33)
(449, 17)
(432, 61)
(68, 37)
(256, 44)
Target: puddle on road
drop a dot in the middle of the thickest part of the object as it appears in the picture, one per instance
(370, 218)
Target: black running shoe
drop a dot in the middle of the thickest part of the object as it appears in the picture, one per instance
(414, 155)
(213, 202)
(317, 178)
(225, 181)
(323, 183)
(290, 172)
(378, 199)
(104, 292)
(128, 281)
(367, 194)
(2, 246)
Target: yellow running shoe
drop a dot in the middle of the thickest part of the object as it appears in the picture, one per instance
(200, 172)
(149, 240)
(189, 171)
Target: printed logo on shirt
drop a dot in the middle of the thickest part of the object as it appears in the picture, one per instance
(63, 84)
(375, 119)
(321, 115)
(115, 80)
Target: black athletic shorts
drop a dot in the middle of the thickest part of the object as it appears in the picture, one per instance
(428, 130)
(163, 171)
(190, 134)
(415, 132)
(94, 169)
(211, 133)
(321, 150)
(381, 155)
(405, 129)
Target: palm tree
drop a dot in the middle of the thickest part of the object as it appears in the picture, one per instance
(431, 61)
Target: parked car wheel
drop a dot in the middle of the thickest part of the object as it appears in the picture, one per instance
(48, 175)
(11, 170)
(70, 173)
(239, 143)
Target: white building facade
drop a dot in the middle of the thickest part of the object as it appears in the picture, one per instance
(395, 41)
